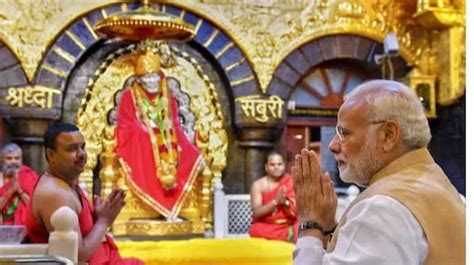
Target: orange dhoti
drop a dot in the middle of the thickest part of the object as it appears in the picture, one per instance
(106, 253)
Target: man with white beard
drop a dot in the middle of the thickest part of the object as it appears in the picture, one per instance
(409, 213)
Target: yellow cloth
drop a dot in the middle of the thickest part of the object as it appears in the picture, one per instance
(245, 251)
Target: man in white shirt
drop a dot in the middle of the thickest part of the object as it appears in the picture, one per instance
(380, 143)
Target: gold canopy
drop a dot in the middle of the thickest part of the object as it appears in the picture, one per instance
(146, 23)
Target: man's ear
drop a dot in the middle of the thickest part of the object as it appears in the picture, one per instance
(49, 153)
(391, 135)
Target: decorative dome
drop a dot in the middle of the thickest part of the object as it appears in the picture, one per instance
(145, 23)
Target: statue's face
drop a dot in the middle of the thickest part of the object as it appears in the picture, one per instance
(150, 82)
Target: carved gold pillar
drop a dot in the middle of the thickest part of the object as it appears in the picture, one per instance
(451, 64)
(86, 179)
(424, 87)
(206, 197)
(447, 25)
(108, 173)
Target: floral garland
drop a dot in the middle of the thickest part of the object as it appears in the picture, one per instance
(10, 210)
(156, 113)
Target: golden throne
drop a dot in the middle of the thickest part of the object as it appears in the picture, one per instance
(200, 112)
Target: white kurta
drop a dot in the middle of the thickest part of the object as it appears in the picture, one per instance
(379, 231)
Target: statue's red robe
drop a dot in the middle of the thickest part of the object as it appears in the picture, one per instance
(135, 148)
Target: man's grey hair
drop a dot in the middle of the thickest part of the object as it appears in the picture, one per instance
(10, 148)
(391, 100)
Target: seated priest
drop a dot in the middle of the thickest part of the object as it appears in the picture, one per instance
(273, 203)
(58, 186)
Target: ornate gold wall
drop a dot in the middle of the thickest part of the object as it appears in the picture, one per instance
(431, 32)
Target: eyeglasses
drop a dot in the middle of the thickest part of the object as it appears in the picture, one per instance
(341, 133)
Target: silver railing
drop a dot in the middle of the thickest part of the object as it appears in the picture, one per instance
(34, 259)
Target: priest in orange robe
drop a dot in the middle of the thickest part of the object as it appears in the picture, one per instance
(161, 163)
(273, 203)
(16, 186)
(59, 186)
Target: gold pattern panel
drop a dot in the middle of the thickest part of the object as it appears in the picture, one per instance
(266, 31)
(283, 27)
(440, 13)
(29, 26)
(158, 228)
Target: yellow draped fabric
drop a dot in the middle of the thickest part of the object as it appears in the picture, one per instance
(246, 251)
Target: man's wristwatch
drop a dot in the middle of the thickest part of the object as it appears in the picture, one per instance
(307, 225)
(330, 232)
